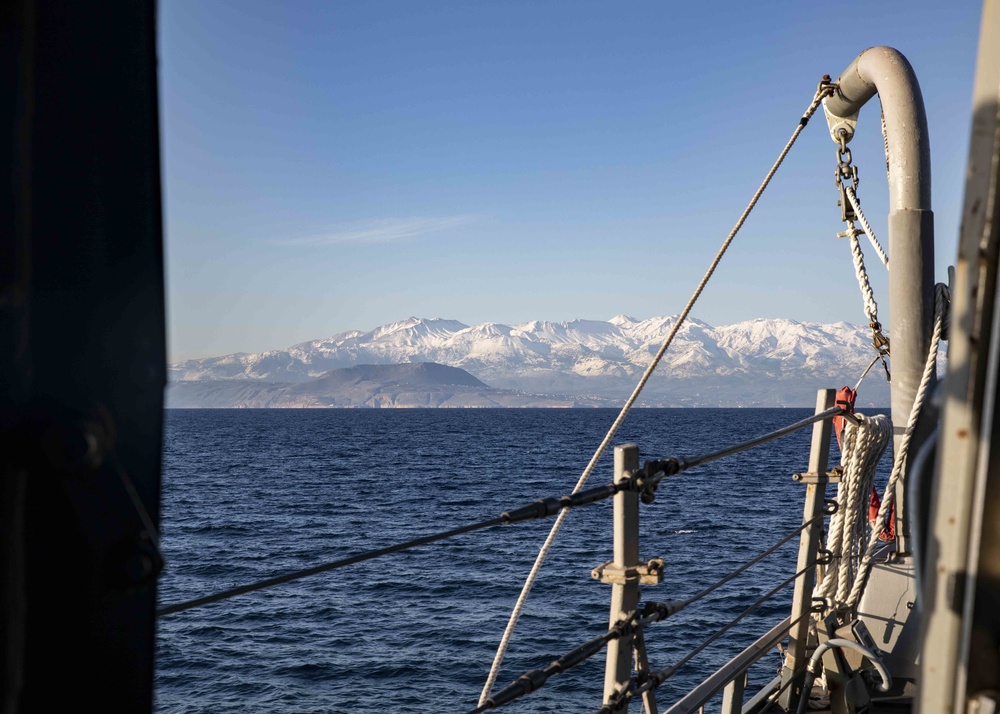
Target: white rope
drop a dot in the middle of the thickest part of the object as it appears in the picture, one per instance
(879, 340)
(822, 92)
(871, 307)
(863, 446)
(930, 367)
(856, 205)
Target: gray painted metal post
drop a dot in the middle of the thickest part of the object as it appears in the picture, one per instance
(911, 229)
(961, 532)
(732, 695)
(624, 596)
(911, 245)
(816, 480)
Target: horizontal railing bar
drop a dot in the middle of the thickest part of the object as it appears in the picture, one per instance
(732, 669)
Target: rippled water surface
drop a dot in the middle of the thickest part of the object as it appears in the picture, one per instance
(248, 494)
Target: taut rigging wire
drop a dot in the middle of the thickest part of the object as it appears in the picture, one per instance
(649, 613)
(288, 577)
(655, 679)
(824, 89)
(646, 479)
(749, 564)
(655, 471)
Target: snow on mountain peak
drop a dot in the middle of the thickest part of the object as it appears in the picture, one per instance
(622, 319)
(540, 355)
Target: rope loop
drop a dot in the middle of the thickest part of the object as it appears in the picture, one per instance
(941, 303)
(863, 444)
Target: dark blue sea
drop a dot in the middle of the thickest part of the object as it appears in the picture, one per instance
(248, 494)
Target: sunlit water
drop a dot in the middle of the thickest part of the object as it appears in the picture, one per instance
(248, 494)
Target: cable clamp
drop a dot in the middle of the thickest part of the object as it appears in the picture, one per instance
(646, 479)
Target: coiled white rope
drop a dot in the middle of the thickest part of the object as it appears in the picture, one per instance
(863, 446)
(822, 91)
(941, 299)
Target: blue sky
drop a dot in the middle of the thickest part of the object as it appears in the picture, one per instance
(340, 165)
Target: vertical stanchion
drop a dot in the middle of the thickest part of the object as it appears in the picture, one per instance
(625, 574)
(809, 542)
(732, 695)
(624, 593)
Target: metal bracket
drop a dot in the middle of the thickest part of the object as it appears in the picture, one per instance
(849, 124)
(649, 574)
(830, 477)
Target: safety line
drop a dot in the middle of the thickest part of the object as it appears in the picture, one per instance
(822, 92)
(676, 465)
(541, 508)
(712, 588)
(288, 577)
(668, 672)
(536, 678)
(652, 612)
(655, 679)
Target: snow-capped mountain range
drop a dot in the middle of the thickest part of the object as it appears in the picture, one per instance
(768, 361)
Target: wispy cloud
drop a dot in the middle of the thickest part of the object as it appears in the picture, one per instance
(386, 230)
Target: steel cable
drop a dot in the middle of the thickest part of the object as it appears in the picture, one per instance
(541, 508)
(678, 465)
(749, 564)
(288, 577)
(655, 679)
(822, 92)
(536, 679)
(650, 613)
